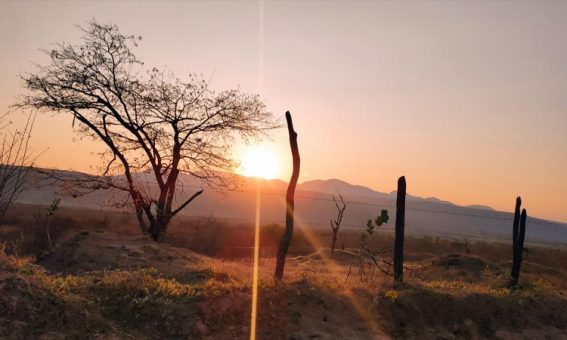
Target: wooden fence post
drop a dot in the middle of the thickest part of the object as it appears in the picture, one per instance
(515, 230)
(520, 235)
(400, 225)
(289, 200)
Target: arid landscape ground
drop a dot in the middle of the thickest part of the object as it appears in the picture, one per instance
(102, 279)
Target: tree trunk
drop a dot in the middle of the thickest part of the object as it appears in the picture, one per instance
(154, 231)
(515, 230)
(400, 225)
(157, 229)
(289, 200)
(335, 232)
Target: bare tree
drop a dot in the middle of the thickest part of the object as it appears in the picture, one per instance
(16, 160)
(155, 126)
(336, 224)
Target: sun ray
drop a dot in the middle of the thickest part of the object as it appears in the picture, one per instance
(359, 305)
(256, 258)
(334, 269)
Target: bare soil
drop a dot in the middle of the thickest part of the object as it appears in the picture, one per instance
(103, 285)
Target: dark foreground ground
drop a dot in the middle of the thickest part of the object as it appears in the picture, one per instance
(103, 281)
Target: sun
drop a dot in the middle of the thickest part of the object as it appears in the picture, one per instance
(259, 162)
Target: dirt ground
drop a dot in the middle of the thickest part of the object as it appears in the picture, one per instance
(105, 285)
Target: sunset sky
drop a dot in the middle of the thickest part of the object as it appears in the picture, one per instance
(468, 100)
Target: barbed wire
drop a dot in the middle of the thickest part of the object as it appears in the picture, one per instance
(500, 218)
(391, 206)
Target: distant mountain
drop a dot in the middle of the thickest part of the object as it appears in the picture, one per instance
(315, 206)
(480, 207)
(333, 186)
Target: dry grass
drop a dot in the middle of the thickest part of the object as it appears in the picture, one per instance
(100, 284)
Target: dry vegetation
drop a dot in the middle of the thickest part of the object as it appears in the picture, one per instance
(102, 280)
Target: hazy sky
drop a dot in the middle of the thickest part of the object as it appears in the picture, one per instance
(468, 100)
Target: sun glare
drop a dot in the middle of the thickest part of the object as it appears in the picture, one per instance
(260, 162)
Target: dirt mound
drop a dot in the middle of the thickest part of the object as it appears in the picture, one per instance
(421, 313)
(90, 251)
(457, 267)
(462, 262)
(532, 267)
(339, 256)
(25, 299)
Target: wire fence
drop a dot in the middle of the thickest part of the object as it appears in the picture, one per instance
(378, 205)
(392, 206)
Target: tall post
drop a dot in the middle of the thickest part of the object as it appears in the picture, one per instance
(517, 263)
(516, 225)
(522, 237)
(515, 231)
(400, 225)
(289, 201)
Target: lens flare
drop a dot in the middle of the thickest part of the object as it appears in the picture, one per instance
(255, 270)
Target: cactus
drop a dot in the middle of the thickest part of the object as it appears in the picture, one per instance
(400, 225)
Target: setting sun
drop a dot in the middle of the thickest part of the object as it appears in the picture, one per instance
(259, 162)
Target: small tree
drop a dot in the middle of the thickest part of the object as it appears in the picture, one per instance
(48, 215)
(364, 245)
(371, 224)
(155, 127)
(336, 224)
(16, 160)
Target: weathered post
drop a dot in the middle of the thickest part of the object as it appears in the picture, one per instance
(516, 226)
(289, 200)
(522, 237)
(400, 225)
(519, 250)
(515, 232)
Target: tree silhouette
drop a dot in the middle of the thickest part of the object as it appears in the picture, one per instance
(16, 160)
(155, 126)
(336, 224)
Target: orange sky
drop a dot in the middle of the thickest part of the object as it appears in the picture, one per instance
(468, 100)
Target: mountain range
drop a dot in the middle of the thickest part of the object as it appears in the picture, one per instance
(315, 207)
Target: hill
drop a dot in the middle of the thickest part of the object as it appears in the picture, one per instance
(315, 207)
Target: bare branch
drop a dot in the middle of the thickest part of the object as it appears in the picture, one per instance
(336, 224)
(16, 160)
